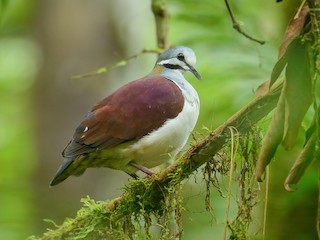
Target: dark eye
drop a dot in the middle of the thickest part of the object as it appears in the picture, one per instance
(180, 56)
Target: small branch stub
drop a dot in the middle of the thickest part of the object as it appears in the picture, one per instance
(162, 23)
(236, 26)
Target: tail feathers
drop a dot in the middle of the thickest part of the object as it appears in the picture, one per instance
(62, 172)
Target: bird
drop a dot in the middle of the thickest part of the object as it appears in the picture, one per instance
(143, 124)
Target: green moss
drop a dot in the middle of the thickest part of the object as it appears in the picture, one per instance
(142, 208)
(244, 189)
(151, 208)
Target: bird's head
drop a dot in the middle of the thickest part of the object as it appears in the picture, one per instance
(179, 58)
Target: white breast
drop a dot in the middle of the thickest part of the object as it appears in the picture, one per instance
(164, 143)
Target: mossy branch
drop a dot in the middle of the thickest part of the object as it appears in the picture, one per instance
(149, 195)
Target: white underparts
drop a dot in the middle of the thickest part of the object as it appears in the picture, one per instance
(164, 143)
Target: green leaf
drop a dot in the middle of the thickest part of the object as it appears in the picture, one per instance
(298, 91)
(300, 165)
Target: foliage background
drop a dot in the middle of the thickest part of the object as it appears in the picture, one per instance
(44, 43)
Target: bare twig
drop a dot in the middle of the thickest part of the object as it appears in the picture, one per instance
(162, 29)
(236, 25)
(234, 148)
(118, 64)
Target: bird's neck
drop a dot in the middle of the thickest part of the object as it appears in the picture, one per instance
(177, 77)
(158, 69)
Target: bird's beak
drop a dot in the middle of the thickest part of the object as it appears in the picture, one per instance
(195, 72)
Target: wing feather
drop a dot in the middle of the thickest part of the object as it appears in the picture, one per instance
(131, 112)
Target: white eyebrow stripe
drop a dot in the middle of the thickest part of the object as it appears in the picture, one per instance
(172, 61)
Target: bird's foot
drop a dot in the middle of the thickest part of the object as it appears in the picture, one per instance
(142, 169)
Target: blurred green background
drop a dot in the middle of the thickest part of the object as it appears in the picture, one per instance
(44, 43)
